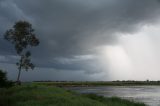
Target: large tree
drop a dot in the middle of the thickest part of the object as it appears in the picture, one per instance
(22, 37)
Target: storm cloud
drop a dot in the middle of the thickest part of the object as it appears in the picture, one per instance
(72, 31)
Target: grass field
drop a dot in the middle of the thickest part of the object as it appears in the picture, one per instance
(41, 95)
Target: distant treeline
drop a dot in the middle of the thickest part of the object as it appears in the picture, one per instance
(97, 83)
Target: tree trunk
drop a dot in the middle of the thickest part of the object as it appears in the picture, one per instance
(19, 73)
(18, 78)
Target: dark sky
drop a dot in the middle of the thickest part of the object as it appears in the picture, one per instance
(74, 35)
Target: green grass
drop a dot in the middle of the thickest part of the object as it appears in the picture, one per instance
(40, 95)
(113, 101)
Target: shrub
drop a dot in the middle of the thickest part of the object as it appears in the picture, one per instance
(3, 80)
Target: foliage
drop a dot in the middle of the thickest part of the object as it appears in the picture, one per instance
(3, 80)
(22, 37)
(37, 95)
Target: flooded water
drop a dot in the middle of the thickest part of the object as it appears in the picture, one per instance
(149, 95)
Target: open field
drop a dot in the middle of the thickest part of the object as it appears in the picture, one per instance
(96, 83)
(40, 95)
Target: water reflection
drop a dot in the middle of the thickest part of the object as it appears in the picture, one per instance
(149, 95)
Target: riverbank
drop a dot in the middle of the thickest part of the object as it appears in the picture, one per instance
(41, 95)
(97, 83)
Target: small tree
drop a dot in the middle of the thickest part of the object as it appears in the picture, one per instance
(22, 37)
(3, 78)
(4, 82)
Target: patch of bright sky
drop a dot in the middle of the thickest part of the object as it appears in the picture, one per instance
(135, 57)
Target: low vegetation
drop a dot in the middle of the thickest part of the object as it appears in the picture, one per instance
(40, 95)
(4, 82)
(96, 83)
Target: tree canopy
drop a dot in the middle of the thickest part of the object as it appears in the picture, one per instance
(22, 36)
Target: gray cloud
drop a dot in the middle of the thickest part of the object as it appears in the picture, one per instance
(71, 28)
